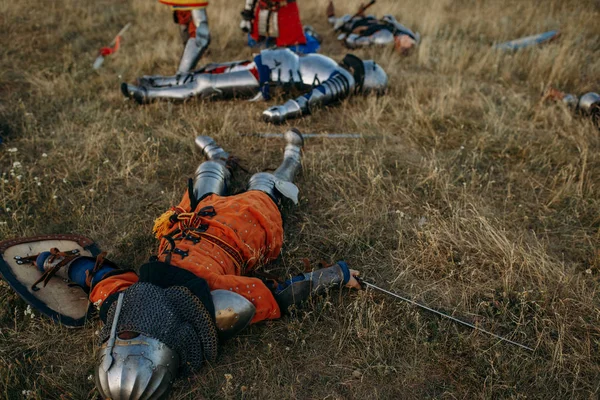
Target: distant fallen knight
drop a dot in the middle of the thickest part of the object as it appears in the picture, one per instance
(587, 104)
(169, 320)
(361, 30)
(323, 81)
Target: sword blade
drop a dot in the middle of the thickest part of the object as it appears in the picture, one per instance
(443, 315)
(312, 135)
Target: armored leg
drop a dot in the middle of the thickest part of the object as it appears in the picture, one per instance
(212, 176)
(176, 80)
(279, 184)
(195, 46)
(230, 84)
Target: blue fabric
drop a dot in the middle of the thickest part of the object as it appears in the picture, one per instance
(287, 283)
(264, 76)
(77, 272)
(345, 270)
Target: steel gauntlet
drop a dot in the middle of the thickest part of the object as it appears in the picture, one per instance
(298, 289)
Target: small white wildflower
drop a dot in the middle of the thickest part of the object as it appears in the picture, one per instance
(17, 165)
(55, 197)
(106, 161)
(83, 207)
(12, 150)
(19, 177)
(588, 271)
(44, 155)
(7, 209)
(39, 183)
(462, 147)
(65, 180)
(6, 181)
(162, 192)
(90, 378)
(287, 349)
(3, 223)
(92, 190)
(35, 178)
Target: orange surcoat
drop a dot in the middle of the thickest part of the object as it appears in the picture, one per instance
(246, 231)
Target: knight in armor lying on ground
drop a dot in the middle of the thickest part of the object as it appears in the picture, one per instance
(192, 19)
(276, 23)
(324, 81)
(365, 31)
(167, 320)
(587, 105)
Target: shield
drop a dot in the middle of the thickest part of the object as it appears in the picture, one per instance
(65, 304)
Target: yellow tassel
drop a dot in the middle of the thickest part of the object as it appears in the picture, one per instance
(162, 224)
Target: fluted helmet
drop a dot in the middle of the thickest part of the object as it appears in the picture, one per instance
(153, 335)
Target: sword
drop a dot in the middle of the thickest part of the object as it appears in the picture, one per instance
(366, 285)
(312, 135)
(112, 47)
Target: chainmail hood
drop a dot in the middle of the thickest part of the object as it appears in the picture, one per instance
(174, 316)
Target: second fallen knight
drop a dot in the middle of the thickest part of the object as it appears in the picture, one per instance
(324, 80)
(167, 321)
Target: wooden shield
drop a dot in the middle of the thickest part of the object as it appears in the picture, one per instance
(65, 304)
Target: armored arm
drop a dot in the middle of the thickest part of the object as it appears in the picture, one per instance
(298, 289)
(337, 87)
(253, 289)
(248, 16)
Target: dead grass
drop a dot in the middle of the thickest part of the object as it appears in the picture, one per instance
(474, 198)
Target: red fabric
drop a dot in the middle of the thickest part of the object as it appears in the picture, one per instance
(251, 224)
(290, 26)
(185, 18)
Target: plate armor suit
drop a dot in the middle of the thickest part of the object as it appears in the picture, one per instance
(323, 81)
(169, 319)
(365, 31)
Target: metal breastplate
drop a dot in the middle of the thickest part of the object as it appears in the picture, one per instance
(284, 65)
(316, 69)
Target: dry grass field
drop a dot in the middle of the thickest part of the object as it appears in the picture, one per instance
(473, 198)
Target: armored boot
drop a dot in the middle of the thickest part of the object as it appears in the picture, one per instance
(213, 175)
(280, 183)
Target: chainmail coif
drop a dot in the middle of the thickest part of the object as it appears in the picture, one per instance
(174, 316)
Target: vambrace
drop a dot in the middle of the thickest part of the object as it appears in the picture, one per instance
(339, 85)
(196, 46)
(295, 291)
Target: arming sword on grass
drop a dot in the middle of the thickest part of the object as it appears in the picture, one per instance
(367, 285)
(360, 11)
(112, 48)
